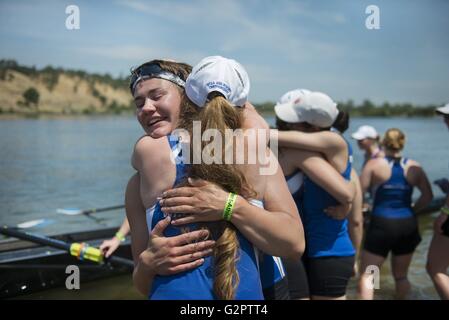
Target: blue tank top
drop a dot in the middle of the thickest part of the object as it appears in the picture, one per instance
(198, 283)
(393, 198)
(271, 268)
(325, 236)
(295, 183)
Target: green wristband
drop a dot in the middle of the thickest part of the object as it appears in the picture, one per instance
(445, 210)
(227, 212)
(120, 236)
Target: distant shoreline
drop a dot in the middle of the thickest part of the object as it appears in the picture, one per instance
(18, 116)
(27, 92)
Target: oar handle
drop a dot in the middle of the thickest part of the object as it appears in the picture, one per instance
(79, 250)
(12, 232)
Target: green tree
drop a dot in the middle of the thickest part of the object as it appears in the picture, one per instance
(31, 96)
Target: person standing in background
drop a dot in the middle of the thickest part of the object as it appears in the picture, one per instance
(393, 225)
(368, 141)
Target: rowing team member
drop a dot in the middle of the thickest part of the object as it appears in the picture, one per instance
(368, 140)
(393, 225)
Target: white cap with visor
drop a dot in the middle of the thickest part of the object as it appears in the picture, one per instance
(301, 105)
(365, 132)
(218, 74)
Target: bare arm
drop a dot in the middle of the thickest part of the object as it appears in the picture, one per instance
(356, 215)
(277, 229)
(124, 228)
(157, 172)
(109, 246)
(330, 144)
(322, 173)
(136, 160)
(135, 212)
(423, 186)
(441, 219)
(366, 176)
(325, 142)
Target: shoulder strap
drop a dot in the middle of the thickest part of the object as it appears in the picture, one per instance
(390, 161)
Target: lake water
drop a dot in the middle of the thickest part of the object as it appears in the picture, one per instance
(84, 162)
(48, 164)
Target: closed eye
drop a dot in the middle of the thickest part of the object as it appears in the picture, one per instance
(153, 95)
(156, 94)
(139, 102)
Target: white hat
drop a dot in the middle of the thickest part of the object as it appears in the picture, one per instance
(365, 132)
(292, 95)
(302, 105)
(220, 74)
(443, 110)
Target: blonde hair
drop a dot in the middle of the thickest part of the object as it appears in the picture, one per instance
(220, 115)
(394, 139)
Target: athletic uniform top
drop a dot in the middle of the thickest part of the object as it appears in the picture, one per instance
(325, 236)
(393, 198)
(295, 182)
(198, 283)
(270, 267)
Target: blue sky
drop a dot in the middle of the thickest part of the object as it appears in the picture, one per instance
(319, 45)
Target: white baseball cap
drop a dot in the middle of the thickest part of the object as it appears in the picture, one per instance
(216, 73)
(365, 132)
(292, 95)
(302, 105)
(443, 110)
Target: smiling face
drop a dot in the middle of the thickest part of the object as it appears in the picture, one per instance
(158, 104)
